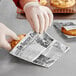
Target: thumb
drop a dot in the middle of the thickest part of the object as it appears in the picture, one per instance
(4, 43)
(12, 35)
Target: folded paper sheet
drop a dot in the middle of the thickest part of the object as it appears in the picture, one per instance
(68, 28)
(40, 49)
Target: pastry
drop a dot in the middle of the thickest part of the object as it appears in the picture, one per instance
(15, 42)
(63, 3)
(69, 32)
(43, 2)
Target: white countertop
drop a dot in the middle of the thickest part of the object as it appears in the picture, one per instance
(12, 66)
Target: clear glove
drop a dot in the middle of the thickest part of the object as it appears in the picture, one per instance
(4, 31)
(40, 17)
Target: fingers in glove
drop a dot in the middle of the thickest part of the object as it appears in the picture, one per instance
(50, 14)
(4, 43)
(9, 40)
(31, 23)
(50, 19)
(46, 21)
(41, 22)
(35, 21)
(12, 35)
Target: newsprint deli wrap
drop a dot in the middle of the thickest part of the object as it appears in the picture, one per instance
(40, 49)
(67, 27)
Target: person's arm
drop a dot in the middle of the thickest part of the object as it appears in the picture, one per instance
(21, 3)
(17, 3)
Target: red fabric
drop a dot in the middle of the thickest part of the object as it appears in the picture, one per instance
(17, 3)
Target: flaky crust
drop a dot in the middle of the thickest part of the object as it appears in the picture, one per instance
(63, 3)
(69, 32)
(15, 42)
(43, 2)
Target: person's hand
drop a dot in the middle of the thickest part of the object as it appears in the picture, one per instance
(40, 17)
(4, 31)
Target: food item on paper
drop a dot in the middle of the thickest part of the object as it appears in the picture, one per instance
(69, 32)
(67, 28)
(15, 42)
(63, 3)
(40, 49)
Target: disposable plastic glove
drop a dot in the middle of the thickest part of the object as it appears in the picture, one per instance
(4, 31)
(40, 17)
